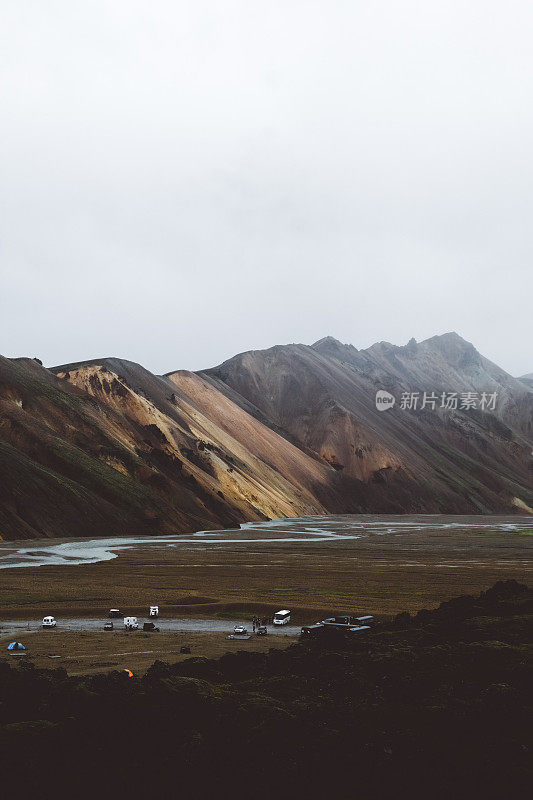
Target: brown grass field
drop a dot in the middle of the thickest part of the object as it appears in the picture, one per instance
(379, 575)
(84, 653)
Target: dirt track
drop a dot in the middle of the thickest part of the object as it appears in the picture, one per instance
(88, 625)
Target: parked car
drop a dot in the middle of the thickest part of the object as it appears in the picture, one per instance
(368, 619)
(313, 630)
(262, 630)
(131, 624)
(149, 626)
(240, 630)
(108, 626)
(154, 611)
(336, 626)
(49, 622)
(115, 613)
(348, 622)
(282, 617)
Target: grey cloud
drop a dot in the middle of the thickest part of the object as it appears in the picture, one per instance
(181, 182)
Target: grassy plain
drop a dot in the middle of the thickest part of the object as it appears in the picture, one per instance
(379, 575)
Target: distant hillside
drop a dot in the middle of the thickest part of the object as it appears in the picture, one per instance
(104, 447)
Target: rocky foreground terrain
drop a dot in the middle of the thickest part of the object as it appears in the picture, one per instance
(104, 447)
(434, 705)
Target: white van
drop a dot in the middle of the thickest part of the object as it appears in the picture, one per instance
(131, 624)
(49, 622)
(282, 617)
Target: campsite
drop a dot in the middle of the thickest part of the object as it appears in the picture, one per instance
(82, 645)
(84, 653)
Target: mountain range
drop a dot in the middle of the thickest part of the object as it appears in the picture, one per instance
(105, 447)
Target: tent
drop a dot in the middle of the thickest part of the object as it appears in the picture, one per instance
(15, 646)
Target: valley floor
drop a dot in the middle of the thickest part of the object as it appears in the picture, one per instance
(412, 566)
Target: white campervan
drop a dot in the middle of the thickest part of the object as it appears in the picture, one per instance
(282, 617)
(131, 624)
(49, 622)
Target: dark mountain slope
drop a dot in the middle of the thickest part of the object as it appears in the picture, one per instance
(527, 380)
(443, 363)
(324, 397)
(57, 463)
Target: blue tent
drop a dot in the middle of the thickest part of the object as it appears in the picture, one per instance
(15, 646)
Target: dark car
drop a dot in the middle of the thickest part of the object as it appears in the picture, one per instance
(149, 626)
(312, 630)
(108, 626)
(334, 626)
(262, 630)
(115, 613)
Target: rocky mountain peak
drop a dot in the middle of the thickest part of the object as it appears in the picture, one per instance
(456, 350)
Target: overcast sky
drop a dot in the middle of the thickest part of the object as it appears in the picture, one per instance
(182, 181)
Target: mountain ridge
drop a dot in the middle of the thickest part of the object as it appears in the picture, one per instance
(105, 447)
